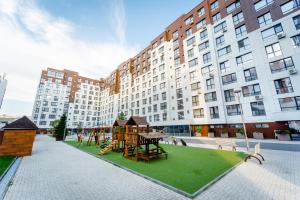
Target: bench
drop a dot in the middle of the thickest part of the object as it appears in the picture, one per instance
(256, 154)
(226, 142)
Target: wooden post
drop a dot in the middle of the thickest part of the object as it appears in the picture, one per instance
(137, 143)
(126, 142)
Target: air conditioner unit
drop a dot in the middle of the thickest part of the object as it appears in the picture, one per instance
(224, 30)
(199, 91)
(292, 71)
(192, 21)
(211, 75)
(281, 35)
(258, 97)
(194, 45)
(204, 28)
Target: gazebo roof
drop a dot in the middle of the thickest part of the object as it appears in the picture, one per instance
(120, 123)
(23, 124)
(137, 120)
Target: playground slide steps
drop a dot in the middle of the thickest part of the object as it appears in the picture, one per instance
(108, 148)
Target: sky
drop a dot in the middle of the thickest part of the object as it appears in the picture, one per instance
(92, 37)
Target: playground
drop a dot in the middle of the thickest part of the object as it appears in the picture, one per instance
(187, 168)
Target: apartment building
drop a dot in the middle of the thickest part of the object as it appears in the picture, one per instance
(221, 58)
(3, 85)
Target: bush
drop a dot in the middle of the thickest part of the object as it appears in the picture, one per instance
(59, 130)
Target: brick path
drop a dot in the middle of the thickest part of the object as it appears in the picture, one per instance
(58, 171)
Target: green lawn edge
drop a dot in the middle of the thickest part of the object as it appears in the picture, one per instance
(187, 168)
(5, 162)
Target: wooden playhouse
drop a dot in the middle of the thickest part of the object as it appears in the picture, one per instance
(17, 138)
(140, 143)
(118, 134)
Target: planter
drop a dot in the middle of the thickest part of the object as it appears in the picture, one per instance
(239, 136)
(211, 134)
(258, 135)
(283, 137)
(224, 135)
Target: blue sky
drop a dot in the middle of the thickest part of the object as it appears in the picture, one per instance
(91, 37)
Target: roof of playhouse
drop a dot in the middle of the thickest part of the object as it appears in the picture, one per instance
(152, 135)
(120, 123)
(137, 120)
(23, 124)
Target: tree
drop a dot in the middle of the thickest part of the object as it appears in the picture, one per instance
(121, 116)
(59, 130)
(54, 125)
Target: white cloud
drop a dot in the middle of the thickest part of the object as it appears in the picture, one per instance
(32, 39)
(118, 19)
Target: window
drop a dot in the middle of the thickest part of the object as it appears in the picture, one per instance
(220, 27)
(296, 40)
(195, 100)
(192, 75)
(200, 24)
(189, 20)
(206, 58)
(258, 108)
(296, 20)
(214, 112)
(264, 19)
(198, 113)
(193, 62)
(233, 6)
(283, 86)
(290, 103)
(195, 86)
(224, 51)
(238, 18)
(230, 78)
(243, 59)
(233, 110)
(273, 50)
(188, 32)
(178, 83)
(229, 95)
(180, 115)
(190, 53)
(244, 44)
(190, 41)
(251, 90)
(220, 41)
(224, 66)
(179, 93)
(163, 106)
(156, 117)
(262, 126)
(162, 85)
(201, 12)
(180, 104)
(240, 31)
(203, 35)
(262, 4)
(164, 116)
(250, 74)
(289, 6)
(216, 18)
(203, 45)
(206, 69)
(272, 31)
(214, 6)
(209, 97)
(210, 83)
(282, 64)
(163, 96)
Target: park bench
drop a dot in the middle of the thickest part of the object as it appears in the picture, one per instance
(256, 154)
(226, 142)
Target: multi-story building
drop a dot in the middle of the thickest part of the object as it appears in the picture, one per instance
(3, 85)
(221, 58)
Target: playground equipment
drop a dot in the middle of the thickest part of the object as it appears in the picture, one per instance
(99, 134)
(138, 139)
(108, 147)
(118, 134)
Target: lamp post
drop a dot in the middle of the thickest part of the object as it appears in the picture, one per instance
(238, 96)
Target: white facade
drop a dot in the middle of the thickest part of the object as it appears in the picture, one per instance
(3, 85)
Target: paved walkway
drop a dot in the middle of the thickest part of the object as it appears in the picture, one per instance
(58, 171)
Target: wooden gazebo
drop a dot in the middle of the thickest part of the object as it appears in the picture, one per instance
(138, 139)
(118, 133)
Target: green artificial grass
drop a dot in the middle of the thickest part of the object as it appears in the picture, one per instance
(187, 168)
(5, 162)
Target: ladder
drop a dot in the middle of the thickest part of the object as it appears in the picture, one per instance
(108, 148)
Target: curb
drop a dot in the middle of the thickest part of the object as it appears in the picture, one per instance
(181, 192)
(13, 166)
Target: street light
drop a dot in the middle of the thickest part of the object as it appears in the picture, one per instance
(238, 96)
